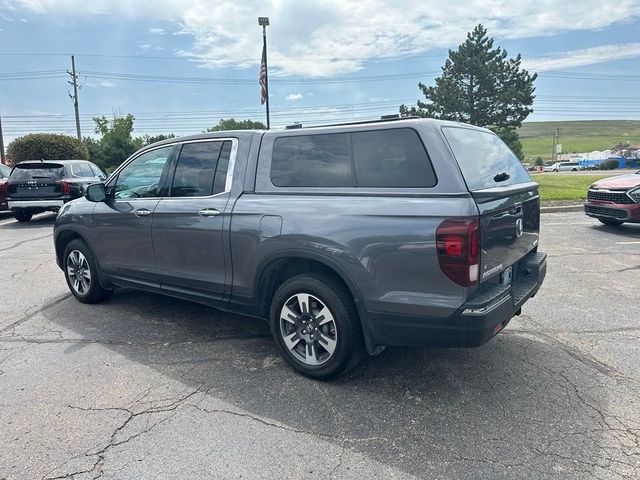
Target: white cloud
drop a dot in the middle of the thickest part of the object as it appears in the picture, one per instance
(294, 97)
(157, 31)
(335, 36)
(104, 84)
(586, 56)
(144, 46)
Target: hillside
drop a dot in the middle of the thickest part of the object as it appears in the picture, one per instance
(577, 136)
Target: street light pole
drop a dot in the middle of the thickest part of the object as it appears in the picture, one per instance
(264, 22)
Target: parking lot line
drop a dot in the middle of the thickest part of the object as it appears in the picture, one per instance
(635, 242)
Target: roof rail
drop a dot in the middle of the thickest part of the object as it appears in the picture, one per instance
(383, 118)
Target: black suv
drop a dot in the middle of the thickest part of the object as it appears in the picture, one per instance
(40, 186)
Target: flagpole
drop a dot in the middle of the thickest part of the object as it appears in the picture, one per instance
(264, 21)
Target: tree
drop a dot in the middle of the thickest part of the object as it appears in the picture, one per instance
(116, 142)
(149, 139)
(46, 146)
(233, 124)
(481, 86)
(539, 162)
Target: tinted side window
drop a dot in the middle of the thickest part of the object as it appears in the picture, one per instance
(200, 170)
(81, 170)
(311, 161)
(141, 178)
(391, 158)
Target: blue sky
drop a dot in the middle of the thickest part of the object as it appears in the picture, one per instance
(587, 54)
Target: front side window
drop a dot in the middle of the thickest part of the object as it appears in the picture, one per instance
(201, 169)
(141, 178)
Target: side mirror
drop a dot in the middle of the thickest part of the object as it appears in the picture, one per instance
(96, 192)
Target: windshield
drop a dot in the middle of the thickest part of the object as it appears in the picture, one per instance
(484, 159)
(52, 171)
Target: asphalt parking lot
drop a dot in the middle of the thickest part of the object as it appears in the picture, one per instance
(150, 387)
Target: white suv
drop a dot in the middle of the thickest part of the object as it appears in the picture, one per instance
(564, 167)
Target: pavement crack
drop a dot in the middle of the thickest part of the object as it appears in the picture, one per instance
(131, 414)
(22, 242)
(260, 420)
(51, 303)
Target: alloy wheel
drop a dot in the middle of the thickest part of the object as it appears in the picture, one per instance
(78, 272)
(308, 329)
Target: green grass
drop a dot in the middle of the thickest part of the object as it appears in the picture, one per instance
(576, 136)
(564, 187)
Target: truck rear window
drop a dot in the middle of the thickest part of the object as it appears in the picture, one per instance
(53, 171)
(482, 156)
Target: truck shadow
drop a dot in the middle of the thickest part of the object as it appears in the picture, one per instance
(519, 400)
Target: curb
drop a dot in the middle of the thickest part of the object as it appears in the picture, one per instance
(562, 208)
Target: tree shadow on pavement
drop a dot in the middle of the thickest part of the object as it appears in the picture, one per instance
(520, 401)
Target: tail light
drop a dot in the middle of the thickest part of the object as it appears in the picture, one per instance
(4, 188)
(66, 187)
(458, 245)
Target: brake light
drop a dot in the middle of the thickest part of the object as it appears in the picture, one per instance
(66, 187)
(458, 245)
(4, 188)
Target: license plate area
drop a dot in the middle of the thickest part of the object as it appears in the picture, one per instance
(506, 276)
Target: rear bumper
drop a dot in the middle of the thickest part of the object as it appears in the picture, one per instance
(474, 323)
(613, 211)
(35, 204)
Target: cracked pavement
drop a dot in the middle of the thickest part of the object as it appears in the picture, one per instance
(145, 386)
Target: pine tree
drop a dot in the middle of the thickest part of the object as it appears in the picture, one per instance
(481, 86)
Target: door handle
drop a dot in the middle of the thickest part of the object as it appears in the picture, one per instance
(143, 212)
(209, 212)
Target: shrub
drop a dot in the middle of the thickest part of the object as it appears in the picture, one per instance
(46, 146)
(610, 164)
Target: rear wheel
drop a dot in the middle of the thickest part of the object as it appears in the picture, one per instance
(316, 326)
(22, 215)
(611, 222)
(574, 169)
(81, 273)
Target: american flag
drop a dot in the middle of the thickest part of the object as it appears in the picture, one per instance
(262, 79)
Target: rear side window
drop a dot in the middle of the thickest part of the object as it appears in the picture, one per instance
(81, 170)
(482, 156)
(311, 161)
(201, 169)
(380, 158)
(28, 171)
(391, 158)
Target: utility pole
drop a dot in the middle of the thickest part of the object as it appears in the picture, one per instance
(2, 159)
(74, 97)
(556, 136)
(264, 22)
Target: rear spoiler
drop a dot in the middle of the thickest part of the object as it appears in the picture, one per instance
(503, 191)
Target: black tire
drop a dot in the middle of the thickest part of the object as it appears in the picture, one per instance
(574, 169)
(555, 170)
(346, 329)
(95, 292)
(22, 215)
(611, 222)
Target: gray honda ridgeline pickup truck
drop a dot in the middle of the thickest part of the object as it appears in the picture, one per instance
(345, 238)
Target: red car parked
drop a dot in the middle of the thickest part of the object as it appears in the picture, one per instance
(615, 200)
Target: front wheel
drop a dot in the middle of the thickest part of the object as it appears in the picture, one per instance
(611, 223)
(22, 215)
(81, 273)
(316, 326)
